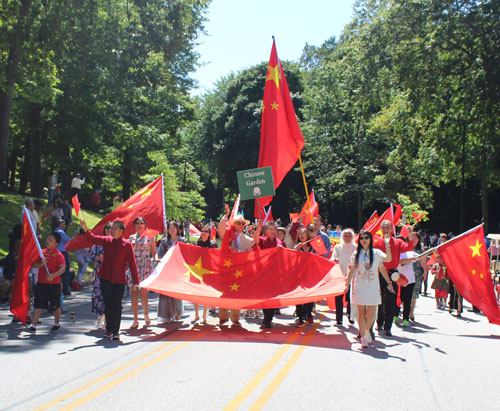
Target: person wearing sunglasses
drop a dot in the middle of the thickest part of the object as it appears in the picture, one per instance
(364, 266)
(387, 310)
(145, 252)
(240, 243)
(203, 241)
(97, 255)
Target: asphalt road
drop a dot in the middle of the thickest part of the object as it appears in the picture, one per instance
(440, 363)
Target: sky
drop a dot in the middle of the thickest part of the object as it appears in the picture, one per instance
(239, 33)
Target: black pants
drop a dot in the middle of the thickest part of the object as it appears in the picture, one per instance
(455, 298)
(268, 315)
(112, 294)
(339, 305)
(406, 297)
(387, 309)
(304, 311)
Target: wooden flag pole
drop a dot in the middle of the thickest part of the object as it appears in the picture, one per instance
(303, 177)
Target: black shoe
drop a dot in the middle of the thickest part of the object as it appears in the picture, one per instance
(67, 293)
(372, 334)
(339, 324)
(108, 334)
(266, 324)
(351, 321)
(277, 311)
(379, 327)
(55, 328)
(115, 337)
(31, 329)
(388, 333)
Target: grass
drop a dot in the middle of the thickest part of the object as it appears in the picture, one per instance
(10, 214)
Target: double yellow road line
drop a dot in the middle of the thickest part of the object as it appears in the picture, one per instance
(124, 377)
(171, 348)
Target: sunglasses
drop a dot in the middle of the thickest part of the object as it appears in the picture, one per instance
(364, 238)
(205, 231)
(240, 223)
(311, 230)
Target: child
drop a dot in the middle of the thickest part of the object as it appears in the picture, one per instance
(440, 283)
(48, 289)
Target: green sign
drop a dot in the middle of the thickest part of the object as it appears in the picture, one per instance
(255, 183)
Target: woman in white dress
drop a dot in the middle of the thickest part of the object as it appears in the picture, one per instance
(364, 266)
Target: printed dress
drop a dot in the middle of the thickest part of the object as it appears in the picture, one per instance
(143, 257)
(168, 307)
(365, 288)
(97, 298)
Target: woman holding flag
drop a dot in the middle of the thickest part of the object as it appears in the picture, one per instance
(145, 251)
(364, 266)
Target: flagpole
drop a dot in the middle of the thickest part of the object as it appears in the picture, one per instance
(303, 177)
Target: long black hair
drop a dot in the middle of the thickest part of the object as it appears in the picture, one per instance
(358, 251)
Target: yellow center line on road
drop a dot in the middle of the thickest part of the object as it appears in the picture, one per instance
(105, 376)
(278, 379)
(257, 379)
(132, 373)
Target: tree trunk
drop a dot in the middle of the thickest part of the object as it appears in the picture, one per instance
(35, 152)
(126, 174)
(484, 200)
(18, 38)
(12, 167)
(359, 197)
(25, 168)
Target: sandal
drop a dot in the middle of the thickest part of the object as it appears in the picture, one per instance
(135, 324)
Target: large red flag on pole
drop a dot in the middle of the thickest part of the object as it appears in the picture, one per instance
(281, 140)
(148, 202)
(468, 266)
(275, 277)
(29, 252)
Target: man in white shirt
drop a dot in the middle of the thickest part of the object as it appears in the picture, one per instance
(76, 184)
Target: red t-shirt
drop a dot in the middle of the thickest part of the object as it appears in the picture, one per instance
(54, 261)
(398, 247)
(266, 242)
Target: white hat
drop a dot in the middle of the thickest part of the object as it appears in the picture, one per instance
(238, 218)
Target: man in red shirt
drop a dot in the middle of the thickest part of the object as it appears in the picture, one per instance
(48, 288)
(268, 241)
(388, 308)
(118, 252)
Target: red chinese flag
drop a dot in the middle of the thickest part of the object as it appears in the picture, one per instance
(213, 233)
(280, 137)
(374, 217)
(318, 245)
(294, 217)
(397, 213)
(147, 202)
(193, 230)
(468, 266)
(275, 277)
(417, 216)
(432, 260)
(76, 204)
(391, 214)
(309, 211)
(404, 231)
(28, 254)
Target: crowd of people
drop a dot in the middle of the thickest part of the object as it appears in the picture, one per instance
(371, 270)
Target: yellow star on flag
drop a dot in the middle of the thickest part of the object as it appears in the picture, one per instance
(238, 273)
(481, 275)
(197, 270)
(131, 205)
(379, 233)
(475, 249)
(235, 287)
(474, 272)
(274, 106)
(228, 263)
(274, 74)
(145, 192)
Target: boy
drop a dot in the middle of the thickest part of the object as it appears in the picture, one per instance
(48, 288)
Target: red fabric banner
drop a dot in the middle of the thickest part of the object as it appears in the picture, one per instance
(147, 203)
(280, 137)
(391, 214)
(318, 245)
(468, 266)
(374, 217)
(28, 254)
(76, 204)
(275, 277)
(193, 230)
